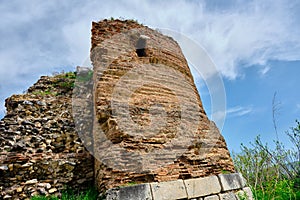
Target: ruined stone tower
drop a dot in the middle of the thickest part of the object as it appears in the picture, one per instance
(150, 124)
(139, 114)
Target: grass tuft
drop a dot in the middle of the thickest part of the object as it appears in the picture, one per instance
(90, 194)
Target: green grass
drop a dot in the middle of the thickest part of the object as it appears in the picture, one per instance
(128, 184)
(243, 196)
(86, 77)
(226, 172)
(62, 83)
(69, 75)
(279, 190)
(65, 82)
(90, 194)
(44, 93)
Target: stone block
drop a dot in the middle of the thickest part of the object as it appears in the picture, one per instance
(246, 193)
(213, 197)
(112, 194)
(135, 192)
(227, 196)
(249, 193)
(232, 181)
(170, 190)
(198, 187)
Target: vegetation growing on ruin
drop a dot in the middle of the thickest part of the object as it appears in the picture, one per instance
(272, 173)
(60, 84)
(90, 194)
(65, 82)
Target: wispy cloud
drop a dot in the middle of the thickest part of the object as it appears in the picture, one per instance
(265, 70)
(219, 118)
(251, 33)
(39, 37)
(239, 111)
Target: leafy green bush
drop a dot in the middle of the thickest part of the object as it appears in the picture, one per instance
(271, 173)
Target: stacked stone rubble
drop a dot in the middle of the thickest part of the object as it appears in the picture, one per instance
(41, 153)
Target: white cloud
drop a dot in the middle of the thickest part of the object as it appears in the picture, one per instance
(239, 111)
(39, 37)
(250, 33)
(265, 70)
(245, 33)
(219, 117)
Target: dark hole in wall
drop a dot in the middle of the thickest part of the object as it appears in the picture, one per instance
(141, 47)
(141, 52)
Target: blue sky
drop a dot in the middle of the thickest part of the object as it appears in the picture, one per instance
(255, 46)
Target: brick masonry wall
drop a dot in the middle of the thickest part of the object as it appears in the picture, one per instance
(48, 133)
(40, 151)
(130, 150)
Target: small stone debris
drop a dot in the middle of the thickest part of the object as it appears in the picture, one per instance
(40, 150)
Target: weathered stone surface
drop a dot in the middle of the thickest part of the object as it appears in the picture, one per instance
(7, 197)
(112, 194)
(246, 193)
(39, 146)
(168, 190)
(33, 181)
(52, 190)
(136, 192)
(228, 196)
(212, 197)
(232, 181)
(131, 151)
(19, 189)
(202, 186)
(43, 139)
(193, 189)
(3, 167)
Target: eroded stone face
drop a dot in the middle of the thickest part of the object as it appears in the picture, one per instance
(207, 188)
(40, 150)
(149, 124)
